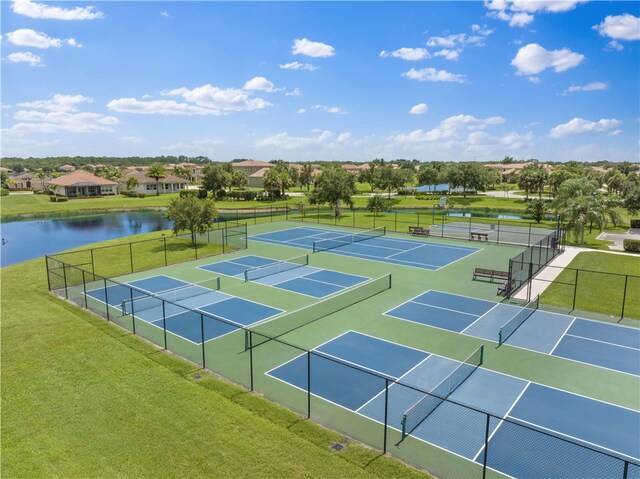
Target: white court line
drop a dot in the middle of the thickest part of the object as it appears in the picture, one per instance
(480, 317)
(407, 250)
(561, 336)
(603, 342)
(444, 309)
(502, 420)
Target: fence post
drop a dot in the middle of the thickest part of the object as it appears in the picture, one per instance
(164, 324)
(469, 225)
(530, 282)
(575, 291)
(353, 217)
(308, 384)
(498, 239)
(624, 295)
(286, 212)
(529, 238)
(318, 214)
(386, 413)
(64, 275)
(250, 357)
(164, 240)
(46, 260)
(93, 265)
(486, 447)
(271, 214)
(106, 298)
(433, 215)
(255, 216)
(133, 314)
(195, 247)
(374, 218)
(204, 364)
(509, 279)
(84, 290)
(418, 220)
(395, 221)
(131, 256)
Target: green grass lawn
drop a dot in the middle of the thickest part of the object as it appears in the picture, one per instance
(83, 398)
(599, 293)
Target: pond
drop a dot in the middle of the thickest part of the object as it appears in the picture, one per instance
(28, 239)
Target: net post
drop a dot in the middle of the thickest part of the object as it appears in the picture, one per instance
(46, 260)
(131, 256)
(499, 338)
(204, 364)
(625, 473)
(133, 314)
(64, 275)
(106, 298)
(84, 290)
(308, 384)
(486, 447)
(482, 354)
(386, 414)
(403, 423)
(164, 324)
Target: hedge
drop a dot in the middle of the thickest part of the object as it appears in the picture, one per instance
(635, 223)
(632, 245)
(4, 192)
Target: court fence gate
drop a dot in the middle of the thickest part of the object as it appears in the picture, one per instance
(246, 355)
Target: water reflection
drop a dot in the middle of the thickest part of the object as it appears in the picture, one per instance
(23, 240)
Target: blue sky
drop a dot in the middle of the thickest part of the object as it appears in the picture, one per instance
(450, 81)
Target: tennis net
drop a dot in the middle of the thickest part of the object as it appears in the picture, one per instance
(154, 300)
(422, 409)
(515, 322)
(258, 272)
(331, 243)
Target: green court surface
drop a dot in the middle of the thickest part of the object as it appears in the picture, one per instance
(227, 355)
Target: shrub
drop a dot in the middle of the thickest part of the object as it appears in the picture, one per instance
(246, 195)
(632, 245)
(184, 193)
(58, 199)
(220, 194)
(635, 223)
(405, 192)
(4, 192)
(202, 193)
(141, 195)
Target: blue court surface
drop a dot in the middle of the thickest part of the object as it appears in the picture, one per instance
(307, 280)
(405, 252)
(610, 346)
(513, 450)
(234, 312)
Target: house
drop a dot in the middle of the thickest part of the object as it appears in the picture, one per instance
(355, 169)
(67, 168)
(21, 182)
(82, 184)
(149, 186)
(254, 169)
(195, 170)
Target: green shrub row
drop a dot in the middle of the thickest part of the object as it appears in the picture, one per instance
(58, 199)
(632, 245)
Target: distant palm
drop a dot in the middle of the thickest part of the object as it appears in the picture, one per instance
(157, 171)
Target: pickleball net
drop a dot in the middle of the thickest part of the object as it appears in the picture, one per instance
(149, 300)
(258, 272)
(422, 409)
(514, 323)
(344, 240)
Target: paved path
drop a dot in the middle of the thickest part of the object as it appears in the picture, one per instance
(618, 238)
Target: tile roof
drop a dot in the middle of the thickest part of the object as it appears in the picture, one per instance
(81, 178)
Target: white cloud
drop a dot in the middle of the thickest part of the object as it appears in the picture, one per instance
(294, 92)
(517, 12)
(448, 54)
(533, 59)
(42, 11)
(57, 102)
(260, 84)
(299, 66)
(344, 137)
(303, 46)
(158, 107)
(448, 41)
(59, 114)
(449, 129)
(620, 27)
(419, 109)
(580, 125)
(615, 133)
(433, 75)
(614, 45)
(25, 57)
(131, 139)
(336, 110)
(283, 141)
(599, 85)
(409, 54)
(26, 37)
(165, 14)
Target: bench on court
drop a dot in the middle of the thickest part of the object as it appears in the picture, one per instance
(418, 231)
(479, 236)
(490, 273)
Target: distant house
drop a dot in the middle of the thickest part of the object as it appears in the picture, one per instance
(254, 169)
(195, 170)
(21, 182)
(67, 168)
(6, 170)
(82, 184)
(149, 186)
(355, 169)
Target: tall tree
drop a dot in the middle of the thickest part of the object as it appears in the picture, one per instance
(278, 179)
(334, 186)
(238, 179)
(305, 178)
(532, 178)
(388, 178)
(157, 171)
(182, 172)
(192, 214)
(468, 176)
(429, 175)
(215, 178)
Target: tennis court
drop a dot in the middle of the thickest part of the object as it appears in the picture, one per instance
(293, 275)
(161, 300)
(610, 346)
(371, 245)
(342, 375)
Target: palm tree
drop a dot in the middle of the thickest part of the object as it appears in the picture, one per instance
(157, 171)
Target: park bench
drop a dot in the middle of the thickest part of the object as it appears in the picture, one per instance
(418, 230)
(490, 273)
(479, 236)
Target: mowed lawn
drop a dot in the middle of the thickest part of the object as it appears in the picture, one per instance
(601, 293)
(82, 398)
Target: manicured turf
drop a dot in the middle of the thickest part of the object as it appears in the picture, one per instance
(599, 293)
(82, 398)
